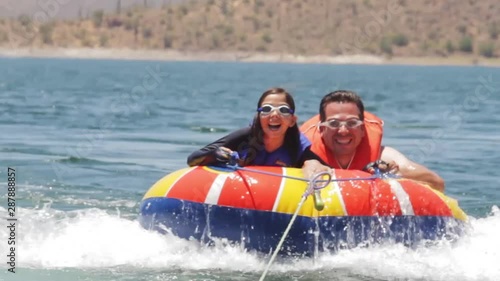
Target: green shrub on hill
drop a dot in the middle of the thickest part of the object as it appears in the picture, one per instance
(97, 18)
(386, 45)
(487, 49)
(494, 30)
(400, 40)
(450, 48)
(103, 40)
(46, 31)
(4, 37)
(167, 42)
(465, 44)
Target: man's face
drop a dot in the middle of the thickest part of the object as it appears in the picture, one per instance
(342, 141)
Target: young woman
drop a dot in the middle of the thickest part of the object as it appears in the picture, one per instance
(273, 139)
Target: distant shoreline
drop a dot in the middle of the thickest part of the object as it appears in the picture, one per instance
(174, 55)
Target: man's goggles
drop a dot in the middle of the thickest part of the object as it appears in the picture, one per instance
(336, 124)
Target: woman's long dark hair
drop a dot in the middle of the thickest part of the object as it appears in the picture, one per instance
(292, 135)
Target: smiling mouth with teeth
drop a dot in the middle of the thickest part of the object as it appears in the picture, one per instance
(274, 127)
(343, 141)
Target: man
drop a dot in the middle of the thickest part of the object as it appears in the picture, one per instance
(347, 137)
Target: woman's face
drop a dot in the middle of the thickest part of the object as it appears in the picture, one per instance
(275, 116)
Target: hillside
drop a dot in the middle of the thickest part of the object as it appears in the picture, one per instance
(394, 28)
(67, 9)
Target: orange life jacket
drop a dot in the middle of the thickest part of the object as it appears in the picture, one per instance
(367, 151)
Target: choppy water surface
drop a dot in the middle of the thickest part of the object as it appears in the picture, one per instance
(88, 138)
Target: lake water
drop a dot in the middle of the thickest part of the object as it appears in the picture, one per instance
(87, 138)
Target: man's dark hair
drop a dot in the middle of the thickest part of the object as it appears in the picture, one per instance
(341, 96)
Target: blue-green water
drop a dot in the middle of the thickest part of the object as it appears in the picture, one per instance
(88, 138)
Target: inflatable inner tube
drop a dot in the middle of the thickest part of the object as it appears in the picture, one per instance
(253, 206)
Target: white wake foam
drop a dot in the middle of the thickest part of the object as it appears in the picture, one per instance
(93, 238)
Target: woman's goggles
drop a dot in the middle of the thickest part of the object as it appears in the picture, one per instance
(336, 124)
(267, 109)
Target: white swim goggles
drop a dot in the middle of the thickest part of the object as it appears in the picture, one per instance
(336, 124)
(267, 109)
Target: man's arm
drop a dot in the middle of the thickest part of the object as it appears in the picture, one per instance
(411, 170)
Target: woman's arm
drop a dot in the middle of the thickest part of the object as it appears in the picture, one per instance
(207, 155)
